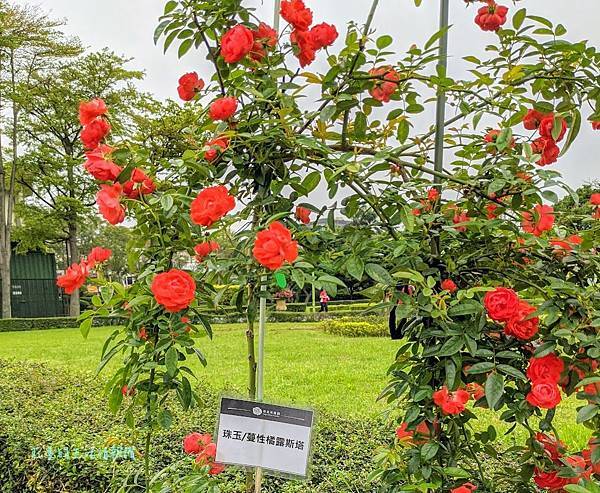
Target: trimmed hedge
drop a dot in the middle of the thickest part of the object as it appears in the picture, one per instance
(41, 407)
(356, 327)
(20, 324)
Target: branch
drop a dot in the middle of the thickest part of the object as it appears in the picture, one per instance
(210, 52)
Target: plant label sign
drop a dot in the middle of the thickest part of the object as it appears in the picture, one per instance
(256, 434)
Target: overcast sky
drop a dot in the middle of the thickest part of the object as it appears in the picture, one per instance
(126, 27)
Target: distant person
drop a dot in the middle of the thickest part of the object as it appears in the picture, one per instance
(324, 297)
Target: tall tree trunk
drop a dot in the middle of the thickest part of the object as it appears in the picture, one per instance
(5, 254)
(74, 307)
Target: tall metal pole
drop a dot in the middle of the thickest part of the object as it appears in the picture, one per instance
(441, 100)
(262, 312)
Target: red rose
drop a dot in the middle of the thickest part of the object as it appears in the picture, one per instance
(522, 325)
(596, 125)
(595, 199)
(465, 488)
(204, 249)
(98, 255)
(304, 47)
(547, 368)
(433, 194)
(236, 43)
(195, 443)
(542, 219)
(548, 150)
(544, 394)
(502, 304)
(451, 402)
(323, 35)
(547, 125)
(475, 390)
(215, 147)
(296, 13)
(138, 184)
(174, 290)
(403, 434)
(265, 37)
(99, 166)
(491, 17)
(126, 391)
(532, 119)
(549, 480)
(385, 84)
(93, 133)
(108, 199)
(303, 214)
(274, 246)
(90, 110)
(223, 108)
(189, 85)
(449, 285)
(461, 218)
(73, 278)
(210, 205)
(491, 211)
(553, 448)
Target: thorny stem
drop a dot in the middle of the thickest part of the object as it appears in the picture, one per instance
(210, 53)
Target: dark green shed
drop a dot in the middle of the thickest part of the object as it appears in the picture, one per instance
(34, 290)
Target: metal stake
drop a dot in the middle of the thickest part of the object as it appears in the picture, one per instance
(441, 100)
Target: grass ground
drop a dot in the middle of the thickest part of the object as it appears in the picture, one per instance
(303, 366)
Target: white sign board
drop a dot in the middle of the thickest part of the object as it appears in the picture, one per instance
(256, 434)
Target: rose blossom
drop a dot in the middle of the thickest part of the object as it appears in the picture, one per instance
(74, 277)
(223, 108)
(174, 289)
(274, 246)
(108, 199)
(501, 304)
(236, 43)
(93, 133)
(211, 204)
(451, 402)
(90, 110)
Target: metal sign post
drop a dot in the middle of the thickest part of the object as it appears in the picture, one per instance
(440, 116)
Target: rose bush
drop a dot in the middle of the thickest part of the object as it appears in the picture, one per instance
(487, 308)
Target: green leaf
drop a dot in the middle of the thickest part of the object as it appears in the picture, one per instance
(355, 267)
(518, 18)
(115, 399)
(85, 327)
(494, 389)
(311, 181)
(166, 202)
(185, 47)
(171, 359)
(379, 274)
(170, 6)
(575, 488)
(360, 125)
(482, 367)
(429, 451)
(384, 41)
(451, 346)
(587, 412)
(280, 280)
(165, 419)
(403, 130)
(513, 372)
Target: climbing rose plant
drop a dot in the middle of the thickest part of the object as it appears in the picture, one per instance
(497, 305)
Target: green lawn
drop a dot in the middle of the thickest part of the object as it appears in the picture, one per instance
(303, 366)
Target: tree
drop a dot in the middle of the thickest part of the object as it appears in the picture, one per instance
(53, 172)
(29, 41)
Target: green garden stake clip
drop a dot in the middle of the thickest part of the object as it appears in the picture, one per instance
(280, 280)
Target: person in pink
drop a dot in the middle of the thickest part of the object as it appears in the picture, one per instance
(324, 297)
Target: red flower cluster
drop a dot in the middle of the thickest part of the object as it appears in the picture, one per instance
(544, 374)
(206, 248)
(76, 274)
(95, 126)
(100, 166)
(213, 148)
(595, 202)
(222, 109)
(465, 488)
(451, 402)
(138, 184)
(421, 434)
(567, 244)
(553, 480)
(274, 246)
(449, 285)
(239, 42)
(491, 17)
(108, 199)
(545, 145)
(386, 83)
(189, 85)
(539, 220)
(210, 205)
(306, 42)
(205, 451)
(174, 290)
(303, 214)
(461, 218)
(503, 305)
